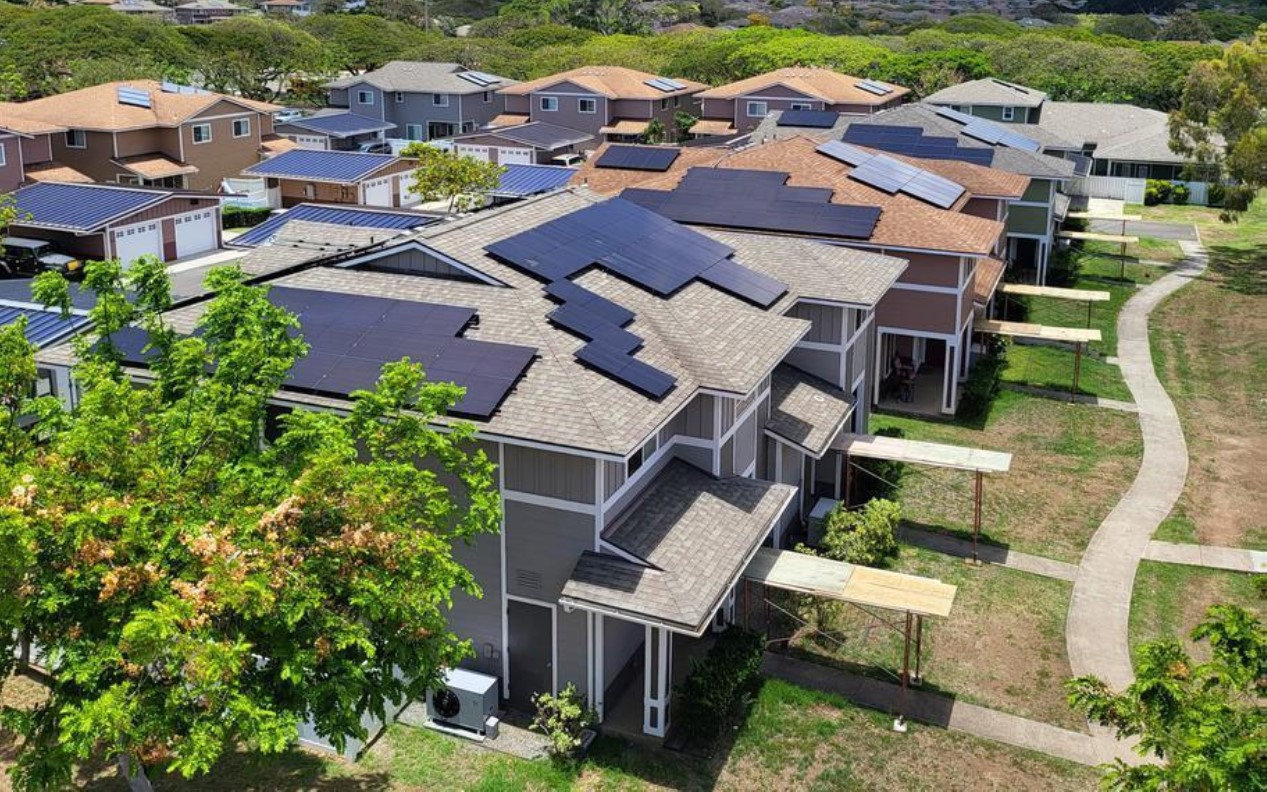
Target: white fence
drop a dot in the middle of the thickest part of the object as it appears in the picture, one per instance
(1129, 190)
(249, 194)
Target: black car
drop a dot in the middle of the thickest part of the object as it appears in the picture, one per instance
(23, 256)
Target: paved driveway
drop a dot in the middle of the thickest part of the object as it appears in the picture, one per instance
(1175, 231)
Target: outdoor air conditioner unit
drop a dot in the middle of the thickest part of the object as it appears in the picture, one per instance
(467, 701)
(816, 524)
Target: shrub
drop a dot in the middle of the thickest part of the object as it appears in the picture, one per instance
(879, 478)
(1179, 194)
(865, 536)
(242, 216)
(985, 381)
(1215, 193)
(562, 718)
(1151, 196)
(720, 688)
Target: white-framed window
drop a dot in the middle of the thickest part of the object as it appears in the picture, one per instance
(400, 97)
(413, 131)
(757, 109)
(76, 138)
(1009, 113)
(2, 159)
(202, 133)
(365, 97)
(800, 106)
(549, 103)
(440, 100)
(488, 97)
(241, 127)
(587, 105)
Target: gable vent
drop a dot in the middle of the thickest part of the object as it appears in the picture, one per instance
(528, 579)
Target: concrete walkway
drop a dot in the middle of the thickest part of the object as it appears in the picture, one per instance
(989, 553)
(1096, 630)
(949, 713)
(1236, 559)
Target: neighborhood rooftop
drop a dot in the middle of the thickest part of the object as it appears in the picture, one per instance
(826, 85)
(613, 82)
(119, 106)
(425, 77)
(988, 91)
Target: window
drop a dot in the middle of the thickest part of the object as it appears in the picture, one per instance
(587, 105)
(76, 138)
(756, 109)
(800, 106)
(549, 103)
(1009, 113)
(400, 97)
(202, 133)
(440, 100)
(2, 159)
(413, 131)
(677, 101)
(365, 97)
(241, 127)
(488, 97)
(664, 104)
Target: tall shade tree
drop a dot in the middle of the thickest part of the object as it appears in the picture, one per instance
(1227, 98)
(443, 176)
(192, 589)
(1203, 722)
(254, 55)
(362, 42)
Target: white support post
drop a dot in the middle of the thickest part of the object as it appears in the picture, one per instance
(950, 382)
(655, 708)
(600, 666)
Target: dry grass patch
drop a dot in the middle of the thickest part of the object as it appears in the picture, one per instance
(1169, 600)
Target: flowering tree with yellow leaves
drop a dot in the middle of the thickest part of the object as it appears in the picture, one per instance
(191, 588)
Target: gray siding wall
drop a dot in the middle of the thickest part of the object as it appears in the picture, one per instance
(822, 364)
(728, 458)
(696, 420)
(419, 108)
(568, 115)
(573, 650)
(418, 262)
(745, 444)
(550, 474)
(542, 546)
(614, 475)
(824, 321)
(615, 508)
(621, 639)
(479, 620)
(701, 458)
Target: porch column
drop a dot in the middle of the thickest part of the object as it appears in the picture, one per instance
(950, 382)
(657, 673)
(1043, 250)
(598, 665)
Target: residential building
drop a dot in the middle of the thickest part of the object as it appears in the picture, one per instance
(1122, 140)
(608, 102)
(335, 177)
(26, 151)
(201, 12)
(533, 143)
(152, 134)
(145, 9)
(424, 100)
(740, 106)
(335, 130)
(630, 510)
(953, 238)
(993, 100)
(104, 221)
(296, 8)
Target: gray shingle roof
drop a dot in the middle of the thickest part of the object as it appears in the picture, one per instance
(805, 410)
(696, 533)
(988, 91)
(420, 77)
(1118, 131)
(538, 134)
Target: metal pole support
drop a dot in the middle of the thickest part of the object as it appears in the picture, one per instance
(899, 723)
(976, 517)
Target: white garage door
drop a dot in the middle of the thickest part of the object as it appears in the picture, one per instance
(378, 192)
(514, 156)
(407, 196)
(476, 152)
(195, 233)
(135, 241)
(318, 142)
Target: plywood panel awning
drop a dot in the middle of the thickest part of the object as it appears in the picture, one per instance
(918, 452)
(823, 577)
(1091, 236)
(1102, 216)
(1055, 292)
(1072, 335)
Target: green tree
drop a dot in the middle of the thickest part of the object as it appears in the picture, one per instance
(1184, 26)
(443, 176)
(361, 42)
(1130, 26)
(607, 16)
(682, 123)
(1203, 721)
(194, 590)
(866, 536)
(654, 133)
(253, 55)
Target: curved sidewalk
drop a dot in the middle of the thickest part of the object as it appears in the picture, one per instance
(1097, 627)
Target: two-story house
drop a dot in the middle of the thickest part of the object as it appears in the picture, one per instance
(608, 102)
(650, 419)
(425, 100)
(26, 152)
(992, 99)
(147, 133)
(202, 12)
(740, 106)
(945, 217)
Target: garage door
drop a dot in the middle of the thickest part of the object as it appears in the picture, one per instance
(195, 233)
(378, 192)
(514, 156)
(407, 196)
(135, 241)
(475, 152)
(310, 141)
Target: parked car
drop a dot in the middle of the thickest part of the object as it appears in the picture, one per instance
(282, 116)
(22, 256)
(376, 147)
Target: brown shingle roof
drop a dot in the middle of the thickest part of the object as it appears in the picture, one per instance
(56, 172)
(827, 85)
(99, 108)
(154, 166)
(986, 281)
(614, 82)
(11, 119)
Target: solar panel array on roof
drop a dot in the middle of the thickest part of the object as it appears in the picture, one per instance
(850, 155)
(665, 84)
(137, 97)
(989, 132)
(520, 181)
(80, 207)
(351, 216)
(43, 326)
(479, 78)
(341, 125)
(879, 89)
(890, 175)
(809, 119)
(336, 166)
(645, 158)
(912, 142)
(351, 337)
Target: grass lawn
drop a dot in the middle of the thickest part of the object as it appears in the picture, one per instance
(1209, 343)
(1147, 248)
(1070, 465)
(794, 738)
(1051, 368)
(1171, 599)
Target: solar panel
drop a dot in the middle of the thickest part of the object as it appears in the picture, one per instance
(674, 84)
(990, 132)
(1018, 141)
(573, 294)
(912, 142)
(850, 155)
(740, 281)
(479, 78)
(632, 372)
(594, 327)
(955, 115)
(934, 189)
(870, 86)
(983, 132)
(810, 119)
(647, 158)
(664, 84)
(137, 97)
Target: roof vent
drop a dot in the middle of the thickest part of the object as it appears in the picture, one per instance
(664, 84)
(479, 78)
(137, 97)
(176, 88)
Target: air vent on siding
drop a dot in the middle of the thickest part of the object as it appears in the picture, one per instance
(528, 579)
